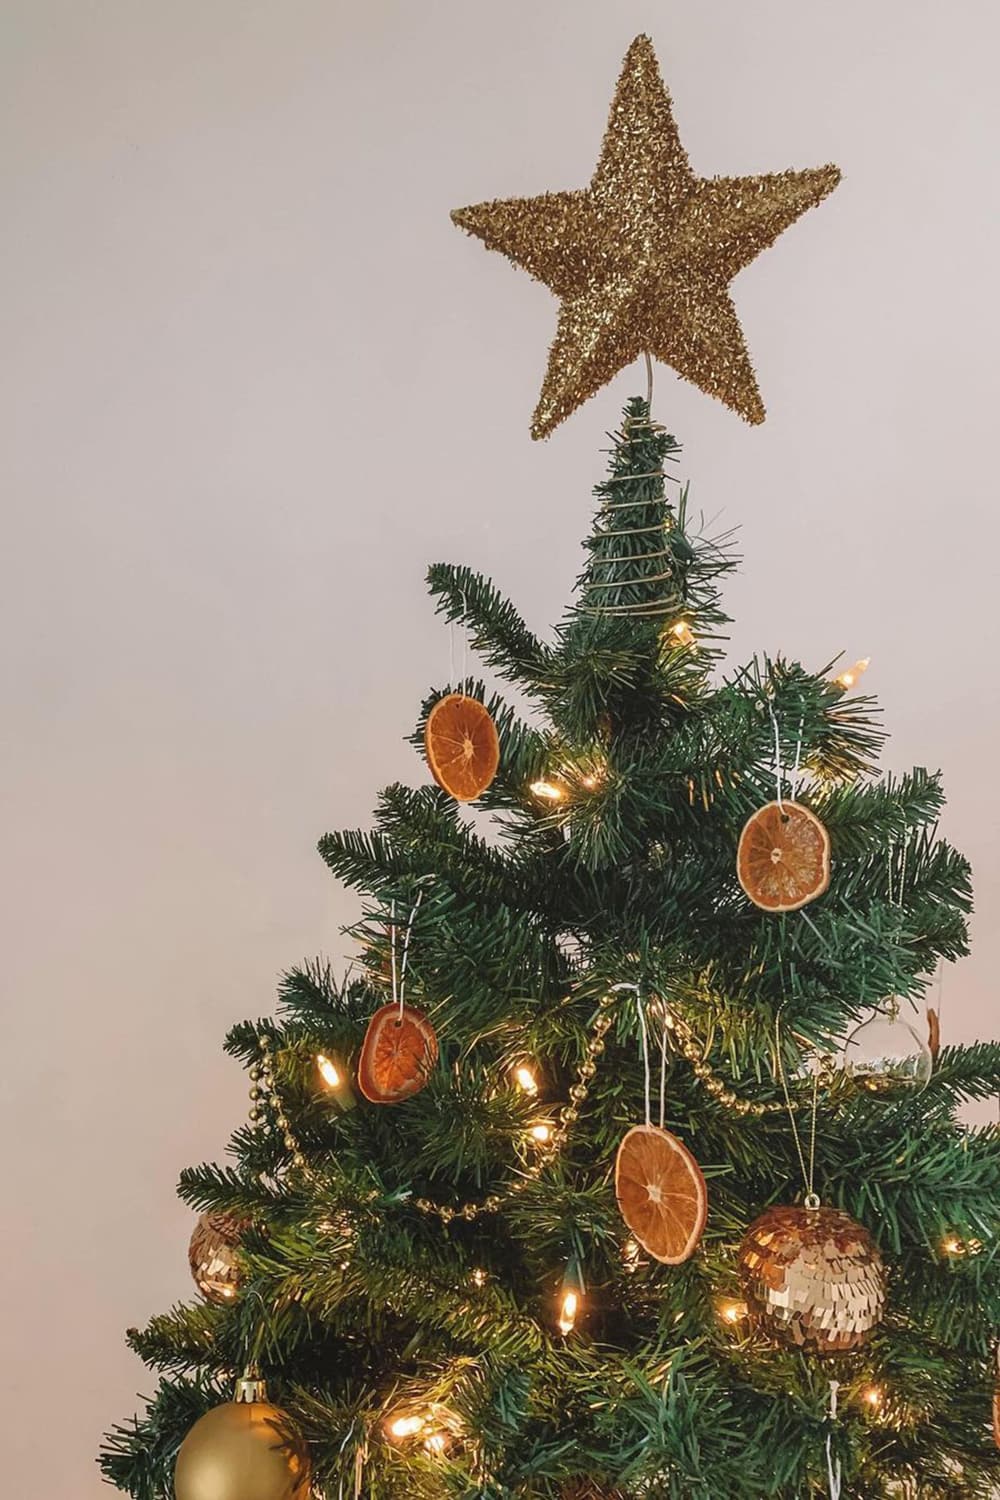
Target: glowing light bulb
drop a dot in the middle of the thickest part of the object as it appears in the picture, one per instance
(630, 1254)
(568, 1309)
(952, 1247)
(548, 790)
(542, 1132)
(327, 1071)
(436, 1442)
(478, 1277)
(525, 1079)
(682, 633)
(848, 678)
(732, 1312)
(570, 1299)
(404, 1427)
(873, 1397)
(334, 1082)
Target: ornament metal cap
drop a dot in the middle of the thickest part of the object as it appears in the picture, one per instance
(250, 1387)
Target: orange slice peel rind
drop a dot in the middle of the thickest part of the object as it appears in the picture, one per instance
(398, 1054)
(462, 745)
(783, 858)
(661, 1193)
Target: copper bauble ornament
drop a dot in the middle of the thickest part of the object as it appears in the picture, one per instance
(245, 1449)
(213, 1255)
(812, 1278)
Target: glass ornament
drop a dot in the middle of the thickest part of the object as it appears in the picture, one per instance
(886, 1054)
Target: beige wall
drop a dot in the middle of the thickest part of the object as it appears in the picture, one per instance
(253, 381)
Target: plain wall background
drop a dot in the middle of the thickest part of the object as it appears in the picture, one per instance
(253, 381)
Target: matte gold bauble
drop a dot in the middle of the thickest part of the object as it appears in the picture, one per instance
(213, 1256)
(812, 1278)
(243, 1450)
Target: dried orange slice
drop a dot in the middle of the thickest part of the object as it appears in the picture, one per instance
(661, 1193)
(398, 1054)
(463, 750)
(783, 859)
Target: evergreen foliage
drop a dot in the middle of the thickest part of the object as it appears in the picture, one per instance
(359, 1305)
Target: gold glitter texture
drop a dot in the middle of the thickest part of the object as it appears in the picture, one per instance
(642, 259)
(213, 1256)
(812, 1278)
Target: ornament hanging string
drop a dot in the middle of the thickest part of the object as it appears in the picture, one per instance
(644, 1050)
(834, 1469)
(399, 975)
(811, 1199)
(464, 671)
(778, 773)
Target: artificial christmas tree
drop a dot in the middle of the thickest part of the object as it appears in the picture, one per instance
(442, 1292)
(611, 1217)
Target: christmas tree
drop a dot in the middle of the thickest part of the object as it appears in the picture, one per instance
(625, 1164)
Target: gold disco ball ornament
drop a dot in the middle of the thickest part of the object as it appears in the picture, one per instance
(245, 1449)
(812, 1278)
(213, 1256)
(887, 1056)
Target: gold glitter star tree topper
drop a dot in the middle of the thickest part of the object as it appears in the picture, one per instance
(642, 259)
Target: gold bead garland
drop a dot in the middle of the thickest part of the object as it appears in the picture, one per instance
(689, 1047)
(570, 1114)
(264, 1073)
(264, 1093)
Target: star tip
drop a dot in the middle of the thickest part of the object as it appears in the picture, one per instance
(641, 47)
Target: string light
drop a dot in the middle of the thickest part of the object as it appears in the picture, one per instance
(631, 1254)
(405, 1427)
(478, 1277)
(848, 678)
(436, 1442)
(542, 1132)
(954, 1246)
(570, 1299)
(334, 1081)
(327, 1071)
(568, 1309)
(682, 633)
(525, 1079)
(732, 1312)
(872, 1397)
(548, 790)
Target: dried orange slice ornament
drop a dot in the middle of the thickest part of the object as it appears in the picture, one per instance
(463, 749)
(661, 1193)
(398, 1054)
(783, 859)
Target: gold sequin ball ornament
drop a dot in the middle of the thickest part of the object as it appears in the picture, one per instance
(214, 1256)
(812, 1278)
(245, 1449)
(642, 259)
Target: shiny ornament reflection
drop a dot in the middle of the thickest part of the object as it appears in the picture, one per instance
(243, 1450)
(886, 1054)
(213, 1256)
(812, 1278)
